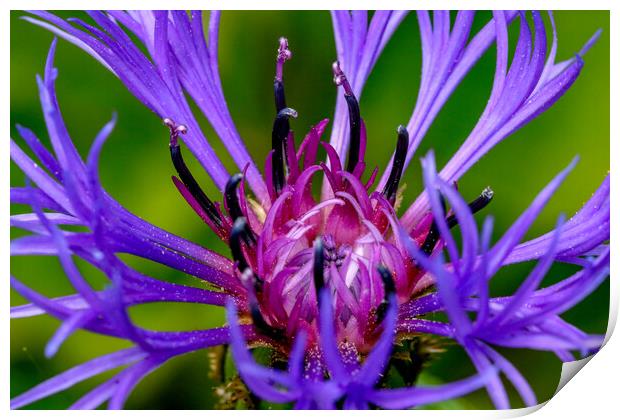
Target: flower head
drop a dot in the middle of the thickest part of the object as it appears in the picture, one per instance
(329, 282)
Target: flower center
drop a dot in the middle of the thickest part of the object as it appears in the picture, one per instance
(287, 249)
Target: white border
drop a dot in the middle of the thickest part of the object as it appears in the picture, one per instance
(310, 5)
(594, 394)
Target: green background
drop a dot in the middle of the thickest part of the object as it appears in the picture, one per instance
(135, 169)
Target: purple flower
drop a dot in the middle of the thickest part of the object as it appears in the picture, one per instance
(330, 284)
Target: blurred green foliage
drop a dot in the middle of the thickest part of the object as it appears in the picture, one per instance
(135, 169)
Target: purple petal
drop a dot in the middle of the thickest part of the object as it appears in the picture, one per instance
(73, 303)
(20, 195)
(96, 396)
(519, 382)
(44, 156)
(74, 322)
(379, 356)
(31, 222)
(143, 80)
(357, 57)
(530, 283)
(494, 385)
(399, 399)
(329, 346)
(49, 187)
(504, 246)
(130, 378)
(582, 233)
(78, 374)
(265, 382)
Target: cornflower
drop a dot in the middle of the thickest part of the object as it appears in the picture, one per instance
(337, 286)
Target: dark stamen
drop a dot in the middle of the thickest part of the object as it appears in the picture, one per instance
(402, 145)
(279, 136)
(318, 267)
(254, 285)
(240, 232)
(232, 201)
(185, 174)
(278, 93)
(433, 233)
(475, 206)
(355, 119)
(284, 54)
(257, 319)
(251, 281)
(354, 127)
(389, 288)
